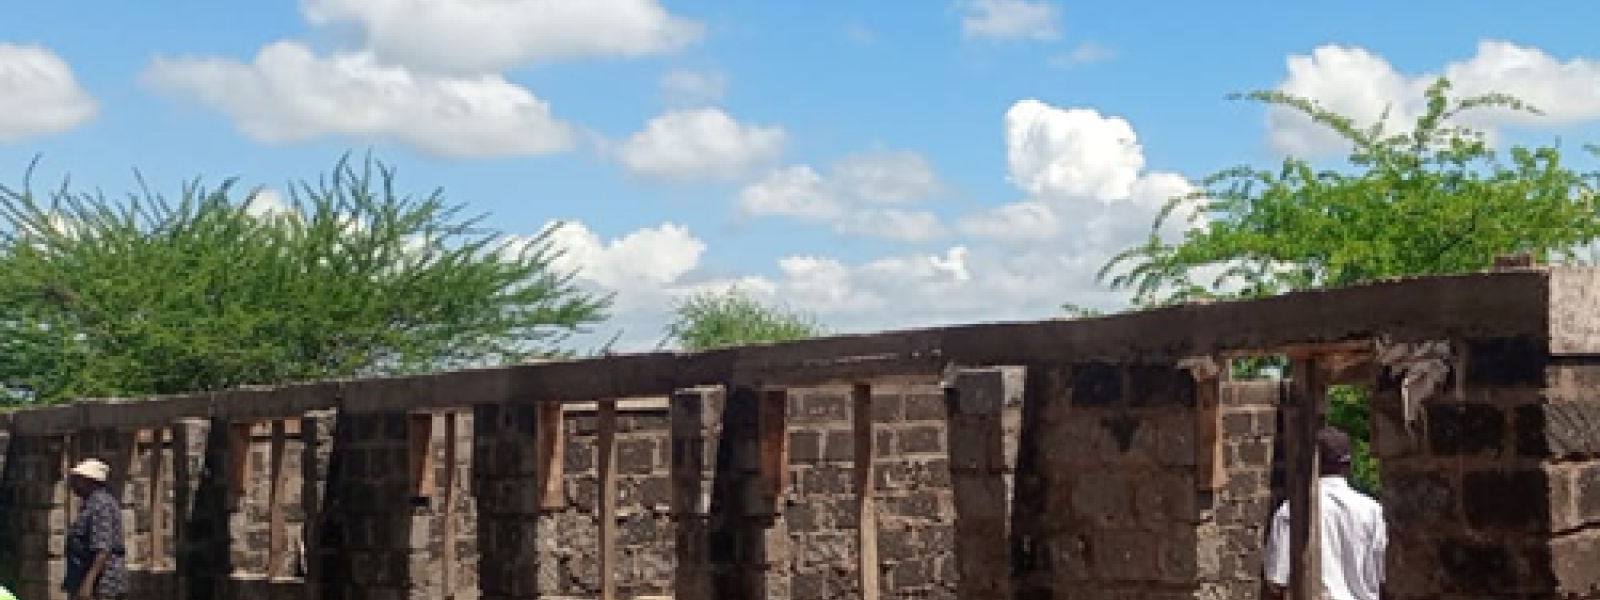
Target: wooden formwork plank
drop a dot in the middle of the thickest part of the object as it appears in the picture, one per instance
(552, 457)
(1307, 398)
(421, 454)
(607, 441)
(774, 432)
(866, 509)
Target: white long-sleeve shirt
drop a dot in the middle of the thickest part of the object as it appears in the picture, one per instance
(1354, 537)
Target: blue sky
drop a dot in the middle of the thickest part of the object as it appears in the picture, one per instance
(884, 164)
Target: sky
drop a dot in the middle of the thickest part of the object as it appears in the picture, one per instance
(880, 165)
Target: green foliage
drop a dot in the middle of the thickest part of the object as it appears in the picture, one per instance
(1434, 200)
(719, 319)
(151, 295)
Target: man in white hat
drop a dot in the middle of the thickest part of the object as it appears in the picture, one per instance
(95, 566)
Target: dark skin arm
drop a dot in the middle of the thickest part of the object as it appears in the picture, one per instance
(98, 566)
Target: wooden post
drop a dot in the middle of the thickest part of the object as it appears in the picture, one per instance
(866, 475)
(552, 457)
(277, 528)
(157, 501)
(608, 498)
(420, 444)
(774, 427)
(451, 460)
(1306, 405)
(239, 439)
(1210, 459)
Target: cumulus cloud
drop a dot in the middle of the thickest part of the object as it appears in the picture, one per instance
(890, 176)
(1010, 20)
(288, 94)
(693, 89)
(1365, 86)
(1071, 153)
(795, 191)
(892, 224)
(632, 265)
(483, 36)
(1027, 222)
(700, 144)
(39, 95)
(852, 195)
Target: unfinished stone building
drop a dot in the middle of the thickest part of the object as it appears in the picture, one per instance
(1106, 458)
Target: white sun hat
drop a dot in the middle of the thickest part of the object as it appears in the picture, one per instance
(92, 469)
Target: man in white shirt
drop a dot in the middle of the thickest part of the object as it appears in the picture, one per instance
(1353, 532)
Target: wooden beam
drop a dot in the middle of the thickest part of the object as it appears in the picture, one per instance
(552, 441)
(866, 509)
(420, 453)
(1307, 405)
(608, 499)
(774, 432)
(240, 439)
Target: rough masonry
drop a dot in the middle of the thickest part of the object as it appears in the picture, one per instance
(1057, 459)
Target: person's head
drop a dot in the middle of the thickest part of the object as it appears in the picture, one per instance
(88, 476)
(1334, 451)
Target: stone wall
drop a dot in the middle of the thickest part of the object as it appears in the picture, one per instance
(1493, 490)
(1099, 470)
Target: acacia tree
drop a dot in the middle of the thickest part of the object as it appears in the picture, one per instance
(1434, 199)
(730, 318)
(214, 288)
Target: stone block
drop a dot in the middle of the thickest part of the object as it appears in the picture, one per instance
(1418, 496)
(1124, 555)
(1160, 385)
(921, 439)
(839, 446)
(1166, 496)
(1558, 429)
(805, 446)
(1465, 429)
(820, 407)
(1573, 563)
(1096, 385)
(1104, 498)
(1506, 500)
(1505, 362)
(925, 407)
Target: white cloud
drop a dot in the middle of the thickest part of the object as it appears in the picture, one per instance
(1010, 20)
(796, 191)
(1363, 85)
(290, 94)
(1071, 153)
(892, 224)
(39, 95)
(693, 89)
(635, 263)
(887, 176)
(482, 36)
(1088, 196)
(851, 195)
(700, 144)
(1027, 222)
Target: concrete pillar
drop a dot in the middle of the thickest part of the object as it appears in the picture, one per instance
(979, 403)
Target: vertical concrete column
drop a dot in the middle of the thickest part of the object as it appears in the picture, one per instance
(1045, 396)
(980, 468)
(317, 439)
(36, 515)
(193, 532)
(508, 492)
(688, 414)
(746, 547)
